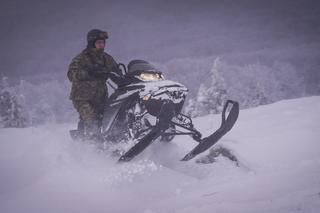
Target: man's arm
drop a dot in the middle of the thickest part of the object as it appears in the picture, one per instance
(77, 70)
(115, 73)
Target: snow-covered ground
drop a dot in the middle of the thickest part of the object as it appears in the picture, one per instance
(278, 146)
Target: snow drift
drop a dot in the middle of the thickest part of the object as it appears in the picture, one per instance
(277, 145)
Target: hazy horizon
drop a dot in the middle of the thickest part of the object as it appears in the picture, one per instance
(41, 36)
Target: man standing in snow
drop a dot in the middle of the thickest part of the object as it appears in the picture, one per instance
(88, 73)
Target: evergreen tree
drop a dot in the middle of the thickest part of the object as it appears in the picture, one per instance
(190, 108)
(211, 98)
(10, 109)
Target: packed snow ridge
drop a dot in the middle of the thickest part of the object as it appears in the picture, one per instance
(277, 146)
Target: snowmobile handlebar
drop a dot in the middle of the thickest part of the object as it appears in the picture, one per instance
(123, 68)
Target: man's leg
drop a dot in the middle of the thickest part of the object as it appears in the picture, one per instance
(90, 118)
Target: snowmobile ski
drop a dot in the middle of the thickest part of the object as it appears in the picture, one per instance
(226, 125)
(165, 116)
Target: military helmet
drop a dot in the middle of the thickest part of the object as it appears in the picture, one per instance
(94, 35)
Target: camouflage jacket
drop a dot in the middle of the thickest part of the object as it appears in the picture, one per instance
(84, 86)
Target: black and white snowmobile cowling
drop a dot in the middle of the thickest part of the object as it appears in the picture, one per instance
(148, 107)
(155, 94)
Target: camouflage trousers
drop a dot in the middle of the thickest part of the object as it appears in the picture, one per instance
(90, 115)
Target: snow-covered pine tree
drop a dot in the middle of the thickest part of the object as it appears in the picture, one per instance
(190, 108)
(211, 98)
(10, 109)
(203, 104)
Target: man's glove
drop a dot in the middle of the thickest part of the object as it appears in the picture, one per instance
(100, 72)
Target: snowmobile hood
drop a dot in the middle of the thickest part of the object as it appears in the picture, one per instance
(164, 89)
(155, 89)
(151, 86)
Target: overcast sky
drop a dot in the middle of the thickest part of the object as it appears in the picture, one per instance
(41, 37)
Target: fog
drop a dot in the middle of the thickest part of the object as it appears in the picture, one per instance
(39, 38)
(42, 36)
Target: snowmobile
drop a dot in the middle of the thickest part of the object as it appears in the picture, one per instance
(148, 107)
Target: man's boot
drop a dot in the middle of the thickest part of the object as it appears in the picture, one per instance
(93, 132)
(79, 133)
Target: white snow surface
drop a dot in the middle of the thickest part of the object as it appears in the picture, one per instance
(278, 146)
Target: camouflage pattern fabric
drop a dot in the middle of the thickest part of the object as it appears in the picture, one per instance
(91, 114)
(84, 86)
